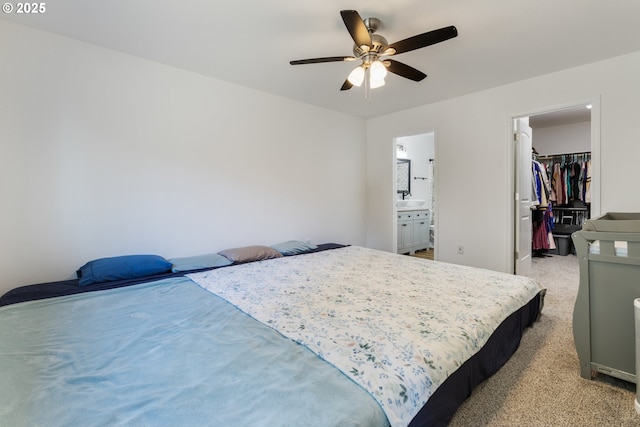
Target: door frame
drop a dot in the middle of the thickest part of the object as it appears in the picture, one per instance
(594, 101)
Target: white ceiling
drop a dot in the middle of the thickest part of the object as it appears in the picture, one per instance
(251, 42)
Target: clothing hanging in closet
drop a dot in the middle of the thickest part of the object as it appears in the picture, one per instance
(570, 177)
(542, 217)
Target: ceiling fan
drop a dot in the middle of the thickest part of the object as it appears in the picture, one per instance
(373, 50)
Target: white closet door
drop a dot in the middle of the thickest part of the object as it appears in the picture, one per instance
(523, 201)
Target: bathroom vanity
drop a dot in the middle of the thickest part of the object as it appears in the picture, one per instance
(414, 225)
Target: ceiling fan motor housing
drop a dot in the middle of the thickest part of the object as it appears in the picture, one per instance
(379, 45)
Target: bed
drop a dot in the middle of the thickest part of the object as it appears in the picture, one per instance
(608, 249)
(328, 335)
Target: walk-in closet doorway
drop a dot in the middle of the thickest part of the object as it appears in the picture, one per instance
(562, 136)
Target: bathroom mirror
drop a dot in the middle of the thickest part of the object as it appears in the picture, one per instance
(403, 176)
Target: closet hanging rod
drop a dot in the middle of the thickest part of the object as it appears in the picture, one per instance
(564, 155)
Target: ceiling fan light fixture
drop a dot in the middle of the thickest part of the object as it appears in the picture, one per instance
(378, 71)
(376, 83)
(356, 77)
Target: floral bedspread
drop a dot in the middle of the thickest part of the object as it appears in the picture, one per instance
(396, 325)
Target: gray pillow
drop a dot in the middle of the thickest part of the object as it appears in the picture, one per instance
(250, 253)
(198, 261)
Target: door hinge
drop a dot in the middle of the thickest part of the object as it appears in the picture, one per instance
(516, 137)
(517, 255)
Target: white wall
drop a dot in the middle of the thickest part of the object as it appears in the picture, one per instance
(474, 156)
(106, 154)
(571, 138)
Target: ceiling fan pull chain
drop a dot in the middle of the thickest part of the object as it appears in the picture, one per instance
(367, 84)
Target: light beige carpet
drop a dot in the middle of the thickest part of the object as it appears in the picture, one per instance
(541, 384)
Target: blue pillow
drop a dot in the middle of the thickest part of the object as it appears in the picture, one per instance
(121, 267)
(199, 261)
(293, 247)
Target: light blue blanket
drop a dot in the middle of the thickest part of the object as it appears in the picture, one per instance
(166, 353)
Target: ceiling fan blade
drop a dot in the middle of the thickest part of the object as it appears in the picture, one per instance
(320, 60)
(424, 39)
(404, 70)
(346, 85)
(357, 29)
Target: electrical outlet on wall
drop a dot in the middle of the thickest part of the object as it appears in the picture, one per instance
(460, 249)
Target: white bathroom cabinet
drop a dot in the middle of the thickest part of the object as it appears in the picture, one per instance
(413, 230)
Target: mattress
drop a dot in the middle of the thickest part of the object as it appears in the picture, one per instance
(382, 330)
(183, 351)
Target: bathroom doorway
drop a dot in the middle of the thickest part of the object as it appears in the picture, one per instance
(415, 201)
